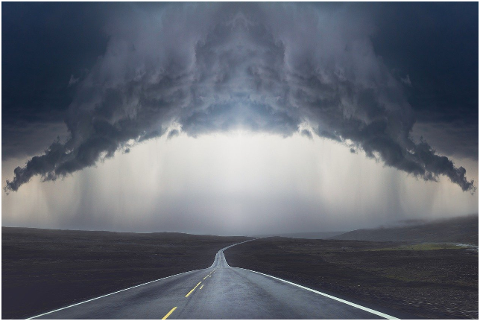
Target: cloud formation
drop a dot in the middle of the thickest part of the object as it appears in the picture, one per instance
(218, 67)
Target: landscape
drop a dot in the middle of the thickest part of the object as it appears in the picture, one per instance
(239, 160)
(436, 277)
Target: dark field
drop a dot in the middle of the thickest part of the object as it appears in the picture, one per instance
(423, 280)
(47, 269)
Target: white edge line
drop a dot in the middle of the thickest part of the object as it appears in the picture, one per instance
(105, 295)
(132, 287)
(380, 314)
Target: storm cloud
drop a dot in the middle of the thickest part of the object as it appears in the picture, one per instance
(204, 68)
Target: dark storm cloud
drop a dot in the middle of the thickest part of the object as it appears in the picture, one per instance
(306, 133)
(433, 49)
(173, 133)
(271, 68)
(46, 49)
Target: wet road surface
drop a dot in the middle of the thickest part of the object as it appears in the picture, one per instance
(218, 292)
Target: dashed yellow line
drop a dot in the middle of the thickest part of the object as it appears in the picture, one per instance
(171, 311)
(193, 289)
(209, 274)
(168, 314)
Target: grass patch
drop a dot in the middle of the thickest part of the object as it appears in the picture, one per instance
(422, 247)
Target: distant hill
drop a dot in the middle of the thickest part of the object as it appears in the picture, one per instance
(459, 230)
(312, 235)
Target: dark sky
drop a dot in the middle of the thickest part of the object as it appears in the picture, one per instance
(373, 77)
(47, 44)
(436, 45)
(43, 45)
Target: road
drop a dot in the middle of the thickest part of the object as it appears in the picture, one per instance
(218, 292)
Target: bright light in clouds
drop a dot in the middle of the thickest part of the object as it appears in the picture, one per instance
(235, 183)
(296, 78)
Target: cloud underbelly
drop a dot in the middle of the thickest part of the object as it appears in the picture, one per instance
(279, 69)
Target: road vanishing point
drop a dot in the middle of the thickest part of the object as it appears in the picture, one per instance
(218, 292)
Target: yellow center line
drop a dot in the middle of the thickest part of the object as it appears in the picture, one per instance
(202, 286)
(209, 274)
(192, 290)
(168, 314)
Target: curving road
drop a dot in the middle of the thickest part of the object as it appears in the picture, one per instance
(218, 292)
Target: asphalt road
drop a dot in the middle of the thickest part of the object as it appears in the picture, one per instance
(219, 292)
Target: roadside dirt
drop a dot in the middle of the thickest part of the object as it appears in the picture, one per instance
(439, 284)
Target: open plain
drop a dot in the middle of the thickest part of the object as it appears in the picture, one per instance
(47, 269)
(44, 270)
(425, 281)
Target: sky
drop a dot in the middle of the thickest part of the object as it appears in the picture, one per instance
(238, 118)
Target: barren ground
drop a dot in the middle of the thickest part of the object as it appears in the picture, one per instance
(47, 269)
(425, 281)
